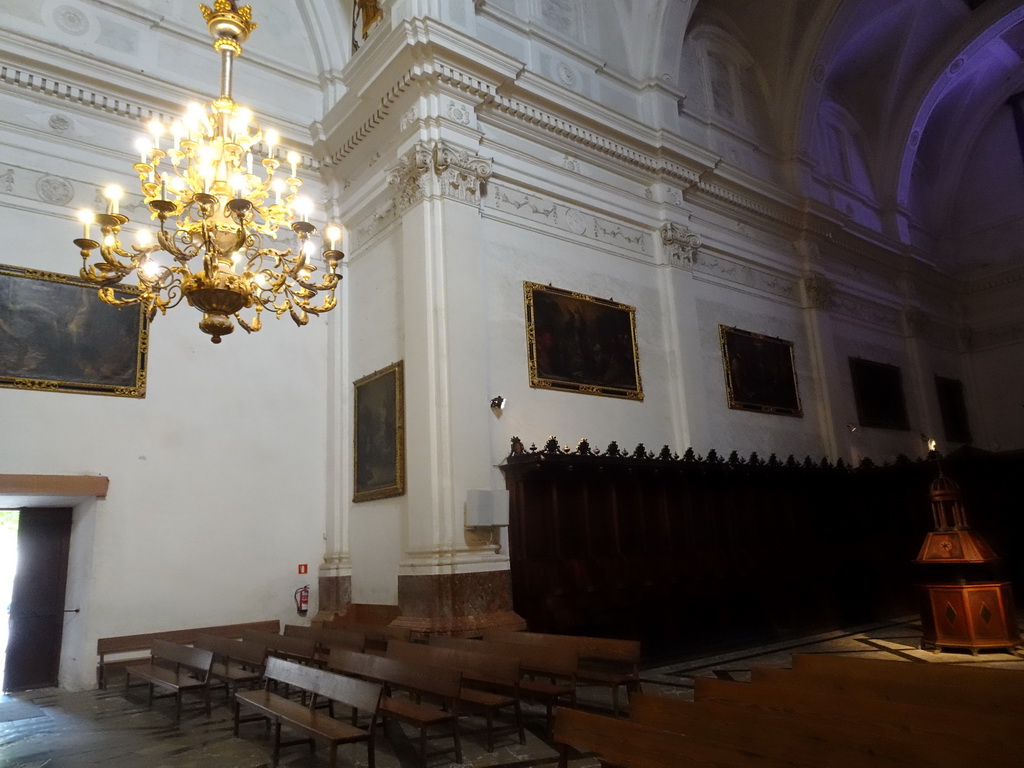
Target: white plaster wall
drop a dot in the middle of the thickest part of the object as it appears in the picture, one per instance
(217, 476)
(513, 256)
(375, 334)
(746, 431)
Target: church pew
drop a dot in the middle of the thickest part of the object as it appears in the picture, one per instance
(926, 693)
(1000, 684)
(133, 644)
(888, 716)
(632, 745)
(602, 661)
(555, 665)
(377, 635)
(490, 683)
(835, 742)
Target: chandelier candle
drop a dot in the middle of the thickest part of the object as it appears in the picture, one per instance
(215, 215)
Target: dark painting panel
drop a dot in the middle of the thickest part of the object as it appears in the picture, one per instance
(56, 334)
(760, 372)
(580, 343)
(878, 391)
(379, 457)
(953, 409)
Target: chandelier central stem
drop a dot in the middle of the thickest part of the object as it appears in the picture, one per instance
(227, 59)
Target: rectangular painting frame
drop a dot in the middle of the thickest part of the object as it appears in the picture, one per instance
(57, 335)
(878, 394)
(378, 463)
(956, 423)
(580, 343)
(760, 372)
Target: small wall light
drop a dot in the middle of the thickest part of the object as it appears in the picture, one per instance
(498, 405)
(851, 427)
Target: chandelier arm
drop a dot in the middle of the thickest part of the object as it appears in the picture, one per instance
(107, 294)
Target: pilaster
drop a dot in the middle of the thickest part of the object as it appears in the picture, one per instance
(448, 581)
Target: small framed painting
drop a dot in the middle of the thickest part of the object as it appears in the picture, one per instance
(760, 373)
(379, 440)
(57, 335)
(878, 391)
(580, 343)
(953, 409)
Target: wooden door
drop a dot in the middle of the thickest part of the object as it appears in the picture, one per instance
(37, 603)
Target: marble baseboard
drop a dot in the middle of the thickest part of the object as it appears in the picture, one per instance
(457, 604)
(334, 595)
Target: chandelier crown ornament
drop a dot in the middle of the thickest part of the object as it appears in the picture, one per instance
(217, 215)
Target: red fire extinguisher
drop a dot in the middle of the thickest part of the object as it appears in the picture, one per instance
(302, 599)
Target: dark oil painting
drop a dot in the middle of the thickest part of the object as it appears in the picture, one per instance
(57, 335)
(878, 391)
(953, 409)
(579, 343)
(760, 373)
(379, 460)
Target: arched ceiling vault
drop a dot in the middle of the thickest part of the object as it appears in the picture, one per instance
(926, 84)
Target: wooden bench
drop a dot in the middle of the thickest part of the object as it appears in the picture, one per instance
(298, 649)
(235, 662)
(811, 740)
(307, 719)
(134, 644)
(178, 668)
(632, 745)
(1002, 688)
(1002, 732)
(1007, 702)
(602, 661)
(438, 685)
(489, 683)
(556, 664)
(377, 635)
(326, 639)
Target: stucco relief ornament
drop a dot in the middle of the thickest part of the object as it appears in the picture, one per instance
(680, 243)
(54, 189)
(566, 75)
(458, 113)
(461, 175)
(405, 177)
(820, 291)
(60, 124)
(71, 20)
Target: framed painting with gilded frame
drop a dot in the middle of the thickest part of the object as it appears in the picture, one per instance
(580, 343)
(57, 335)
(379, 439)
(878, 393)
(760, 372)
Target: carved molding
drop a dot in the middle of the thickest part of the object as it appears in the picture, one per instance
(819, 291)
(575, 221)
(680, 243)
(994, 336)
(741, 274)
(462, 175)
(406, 177)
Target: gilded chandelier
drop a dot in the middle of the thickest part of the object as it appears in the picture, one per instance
(215, 215)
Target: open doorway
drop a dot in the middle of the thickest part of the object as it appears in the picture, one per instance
(8, 567)
(35, 618)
